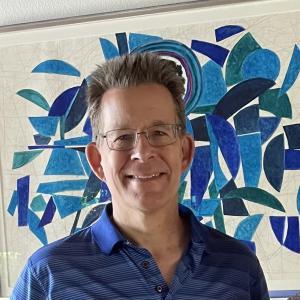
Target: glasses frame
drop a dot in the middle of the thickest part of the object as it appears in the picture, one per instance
(177, 129)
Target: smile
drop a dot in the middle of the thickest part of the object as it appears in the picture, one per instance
(154, 175)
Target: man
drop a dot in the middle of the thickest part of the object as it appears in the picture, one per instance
(144, 246)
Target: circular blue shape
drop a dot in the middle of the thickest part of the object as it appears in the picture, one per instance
(261, 63)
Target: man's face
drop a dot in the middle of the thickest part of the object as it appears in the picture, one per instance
(145, 178)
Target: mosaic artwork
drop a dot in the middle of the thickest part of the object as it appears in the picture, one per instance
(240, 115)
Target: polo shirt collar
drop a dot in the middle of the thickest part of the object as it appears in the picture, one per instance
(107, 236)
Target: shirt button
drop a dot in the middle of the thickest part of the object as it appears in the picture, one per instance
(159, 288)
(145, 264)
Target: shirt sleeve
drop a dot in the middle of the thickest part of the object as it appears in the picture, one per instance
(28, 287)
(259, 289)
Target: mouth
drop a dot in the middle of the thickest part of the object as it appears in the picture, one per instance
(146, 176)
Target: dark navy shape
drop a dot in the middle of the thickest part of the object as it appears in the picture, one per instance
(274, 161)
(48, 213)
(62, 102)
(292, 240)
(227, 31)
(240, 95)
(215, 52)
(292, 133)
(41, 139)
(201, 171)
(277, 223)
(87, 127)
(267, 126)
(200, 129)
(292, 159)
(78, 108)
(233, 206)
(246, 120)
(227, 141)
(23, 197)
(92, 187)
(92, 215)
(122, 43)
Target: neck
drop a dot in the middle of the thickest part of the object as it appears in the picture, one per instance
(158, 231)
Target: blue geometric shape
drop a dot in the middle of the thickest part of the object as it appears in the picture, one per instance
(61, 186)
(298, 201)
(227, 31)
(38, 203)
(208, 207)
(105, 194)
(54, 66)
(23, 196)
(85, 163)
(61, 104)
(277, 224)
(251, 156)
(246, 120)
(240, 95)
(227, 141)
(250, 244)
(76, 141)
(188, 60)
(234, 206)
(214, 86)
(138, 40)
(267, 126)
(109, 49)
(48, 213)
(201, 171)
(87, 127)
(41, 139)
(292, 240)
(13, 203)
(261, 63)
(122, 43)
(220, 179)
(292, 133)
(274, 161)
(247, 227)
(77, 110)
(67, 205)
(292, 159)
(64, 162)
(213, 51)
(39, 232)
(45, 126)
(292, 72)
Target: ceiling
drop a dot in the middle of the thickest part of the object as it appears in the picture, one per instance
(17, 12)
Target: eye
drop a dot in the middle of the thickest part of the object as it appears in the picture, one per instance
(159, 133)
(124, 138)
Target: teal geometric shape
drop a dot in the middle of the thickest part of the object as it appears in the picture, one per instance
(13, 203)
(35, 97)
(54, 66)
(247, 227)
(38, 203)
(24, 157)
(138, 39)
(108, 48)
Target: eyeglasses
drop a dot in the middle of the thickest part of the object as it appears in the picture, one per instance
(157, 136)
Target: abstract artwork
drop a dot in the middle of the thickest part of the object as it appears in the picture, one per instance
(240, 108)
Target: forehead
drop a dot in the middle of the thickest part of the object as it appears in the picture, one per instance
(135, 107)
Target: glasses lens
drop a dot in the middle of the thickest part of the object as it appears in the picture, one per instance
(161, 135)
(120, 139)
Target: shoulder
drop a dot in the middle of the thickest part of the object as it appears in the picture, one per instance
(77, 244)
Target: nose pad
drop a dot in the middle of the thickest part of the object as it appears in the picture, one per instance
(143, 149)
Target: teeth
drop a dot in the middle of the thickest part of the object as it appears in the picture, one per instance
(146, 177)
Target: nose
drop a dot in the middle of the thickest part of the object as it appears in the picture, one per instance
(142, 151)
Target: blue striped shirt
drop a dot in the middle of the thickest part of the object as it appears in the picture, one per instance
(99, 263)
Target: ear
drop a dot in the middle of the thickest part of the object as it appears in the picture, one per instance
(188, 149)
(94, 158)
